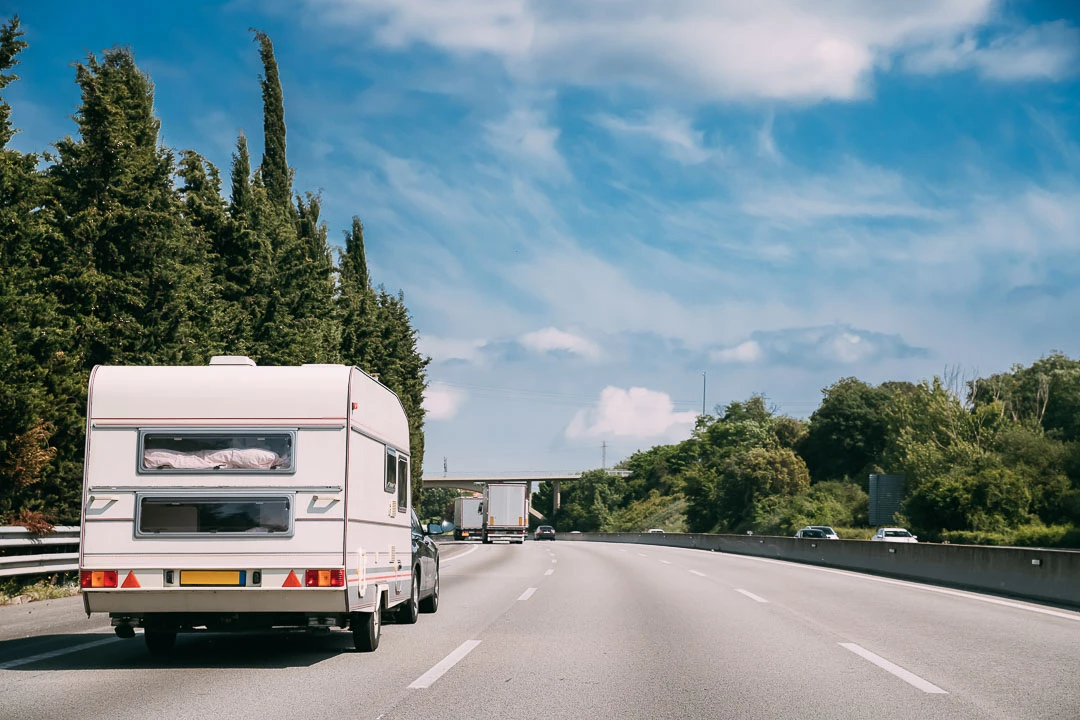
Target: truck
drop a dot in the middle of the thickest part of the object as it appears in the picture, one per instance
(236, 497)
(468, 518)
(506, 512)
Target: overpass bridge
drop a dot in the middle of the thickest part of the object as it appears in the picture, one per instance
(478, 481)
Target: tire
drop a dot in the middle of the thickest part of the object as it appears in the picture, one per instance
(159, 642)
(410, 609)
(367, 630)
(430, 604)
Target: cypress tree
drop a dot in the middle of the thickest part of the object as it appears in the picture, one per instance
(276, 176)
(131, 274)
(357, 303)
(241, 179)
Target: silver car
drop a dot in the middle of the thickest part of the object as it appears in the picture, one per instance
(887, 534)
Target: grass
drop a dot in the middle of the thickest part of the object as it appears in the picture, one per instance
(48, 589)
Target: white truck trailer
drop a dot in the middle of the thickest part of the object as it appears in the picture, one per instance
(506, 512)
(468, 518)
(235, 497)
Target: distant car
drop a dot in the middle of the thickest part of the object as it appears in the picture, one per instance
(829, 532)
(812, 533)
(656, 530)
(575, 532)
(544, 532)
(895, 535)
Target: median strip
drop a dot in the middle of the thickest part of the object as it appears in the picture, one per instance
(908, 677)
(428, 679)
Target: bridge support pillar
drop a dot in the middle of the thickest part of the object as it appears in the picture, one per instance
(555, 496)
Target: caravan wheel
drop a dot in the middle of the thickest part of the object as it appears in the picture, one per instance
(367, 629)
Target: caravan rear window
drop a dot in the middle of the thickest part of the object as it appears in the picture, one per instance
(256, 451)
(214, 515)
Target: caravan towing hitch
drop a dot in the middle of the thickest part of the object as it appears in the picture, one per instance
(124, 627)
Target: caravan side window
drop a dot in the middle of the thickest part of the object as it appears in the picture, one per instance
(402, 483)
(391, 471)
(200, 451)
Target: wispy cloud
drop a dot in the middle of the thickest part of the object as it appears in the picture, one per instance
(773, 49)
(525, 135)
(1050, 51)
(673, 132)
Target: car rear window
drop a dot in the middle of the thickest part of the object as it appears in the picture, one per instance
(897, 533)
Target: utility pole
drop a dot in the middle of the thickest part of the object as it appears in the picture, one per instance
(603, 455)
(702, 394)
(444, 466)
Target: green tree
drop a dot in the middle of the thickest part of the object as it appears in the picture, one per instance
(276, 175)
(847, 433)
(357, 303)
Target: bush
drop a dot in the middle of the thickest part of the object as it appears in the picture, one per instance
(1032, 535)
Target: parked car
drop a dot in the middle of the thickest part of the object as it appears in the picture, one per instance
(829, 532)
(814, 533)
(544, 532)
(895, 535)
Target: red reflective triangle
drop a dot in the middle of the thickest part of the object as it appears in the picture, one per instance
(292, 580)
(130, 581)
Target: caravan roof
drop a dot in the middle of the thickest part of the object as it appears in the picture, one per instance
(239, 392)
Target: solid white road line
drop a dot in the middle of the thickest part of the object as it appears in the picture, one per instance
(428, 679)
(699, 574)
(458, 557)
(550, 571)
(527, 594)
(56, 653)
(666, 562)
(751, 595)
(915, 586)
(908, 677)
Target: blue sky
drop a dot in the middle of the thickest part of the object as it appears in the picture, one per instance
(588, 205)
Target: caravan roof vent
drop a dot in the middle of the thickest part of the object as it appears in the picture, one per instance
(232, 360)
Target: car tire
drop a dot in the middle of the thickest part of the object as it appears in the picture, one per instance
(159, 642)
(367, 630)
(430, 604)
(410, 609)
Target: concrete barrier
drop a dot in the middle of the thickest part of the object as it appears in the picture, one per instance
(1029, 573)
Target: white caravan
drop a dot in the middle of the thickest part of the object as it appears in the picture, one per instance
(235, 497)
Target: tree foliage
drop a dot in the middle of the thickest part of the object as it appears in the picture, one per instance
(116, 249)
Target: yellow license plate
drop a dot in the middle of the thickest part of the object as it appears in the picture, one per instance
(210, 577)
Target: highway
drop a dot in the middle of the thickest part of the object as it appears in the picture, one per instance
(584, 630)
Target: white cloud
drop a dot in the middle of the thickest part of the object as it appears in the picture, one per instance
(672, 131)
(733, 49)
(552, 339)
(445, 349)
(1049, 51)
(636, 413)
(442, 402)
(747, 352)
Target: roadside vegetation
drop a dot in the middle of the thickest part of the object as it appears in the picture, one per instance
(29, 589)
(992, 460)
(115, 249)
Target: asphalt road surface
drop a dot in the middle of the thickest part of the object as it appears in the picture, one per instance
(583, 630)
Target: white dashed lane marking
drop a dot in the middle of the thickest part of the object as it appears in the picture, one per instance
(908, 677)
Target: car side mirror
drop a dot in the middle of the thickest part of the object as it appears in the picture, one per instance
(435, 529)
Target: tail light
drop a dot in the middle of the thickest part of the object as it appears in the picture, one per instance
(98, 578)
(324, 578)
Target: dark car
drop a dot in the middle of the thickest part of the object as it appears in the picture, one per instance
(425, 576)
(544, 532)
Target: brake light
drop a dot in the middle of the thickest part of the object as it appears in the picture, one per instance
(324, 578)
(98, 578)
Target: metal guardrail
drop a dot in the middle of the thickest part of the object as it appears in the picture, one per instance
(60, 551)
